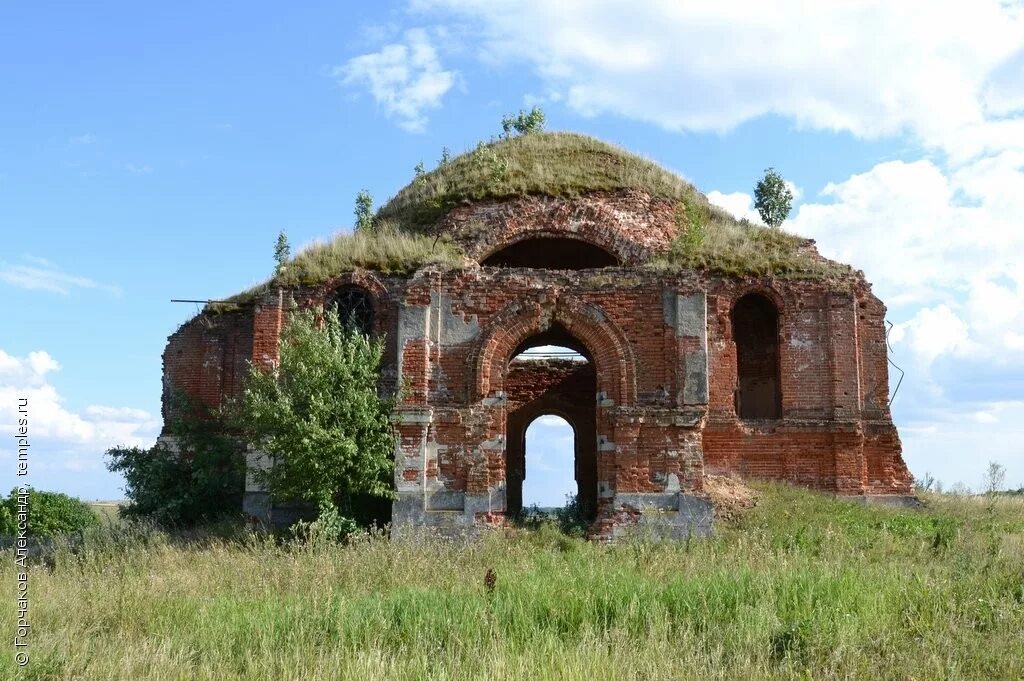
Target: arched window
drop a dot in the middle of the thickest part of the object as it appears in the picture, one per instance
(552, 253)
(550, 475)
(355, 308)
(755, 329)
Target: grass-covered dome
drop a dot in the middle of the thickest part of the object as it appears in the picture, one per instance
(560, 164)
(406, 234)
(565, 164)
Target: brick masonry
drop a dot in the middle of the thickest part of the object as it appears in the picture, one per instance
(653, 409)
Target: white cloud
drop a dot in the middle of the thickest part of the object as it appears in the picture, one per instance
(945, 242)
(405, 78)
(934, 68)
(955, 447)
(739, 204)
(61, 437)
(86, 139)
(549, 420)
(38, 274)
(933, 332)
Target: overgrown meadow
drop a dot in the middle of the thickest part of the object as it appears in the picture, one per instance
(803, 586)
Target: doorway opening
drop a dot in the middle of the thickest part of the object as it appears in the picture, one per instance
(755, 329)
(551, 432)
(550, 463)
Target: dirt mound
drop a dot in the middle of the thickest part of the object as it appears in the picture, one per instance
(730, 496)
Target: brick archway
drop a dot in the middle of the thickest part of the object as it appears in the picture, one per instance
(598, 240)
(604, 341)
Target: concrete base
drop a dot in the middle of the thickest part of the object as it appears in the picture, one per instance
(661, 516)
(256, 506)
(675, 516)
(447, 513)
(259, 508)
(894, 500)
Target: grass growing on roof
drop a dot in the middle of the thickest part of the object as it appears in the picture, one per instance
(708, 242)
(382, 249)
(569, 164)
(545, 163)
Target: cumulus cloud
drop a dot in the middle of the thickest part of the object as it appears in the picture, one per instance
(870, 68)
(39, 274)
(942, 244)
(405, 78)
(62, 437)
(739, 204)
(954, 444)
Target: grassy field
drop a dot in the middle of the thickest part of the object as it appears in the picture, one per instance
(802, 586)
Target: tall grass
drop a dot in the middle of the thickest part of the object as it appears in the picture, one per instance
(744, 248)
(802, 586)
(383, 249)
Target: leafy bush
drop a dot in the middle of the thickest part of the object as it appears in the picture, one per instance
(318, 415)
(329, 527)
(573, 519)
(8, 525)
(524, 123)
(50, 514)
(201, 479)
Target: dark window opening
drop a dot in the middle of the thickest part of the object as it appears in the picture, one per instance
(552, 253)
(555, 335)
(755, 329)
(355, 308)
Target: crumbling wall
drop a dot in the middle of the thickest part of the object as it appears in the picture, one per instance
(662, 347)
(207, 359)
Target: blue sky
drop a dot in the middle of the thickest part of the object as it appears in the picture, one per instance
(150, 152)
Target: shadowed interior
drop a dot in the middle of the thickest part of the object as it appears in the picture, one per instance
(552, 253)
(755, 328)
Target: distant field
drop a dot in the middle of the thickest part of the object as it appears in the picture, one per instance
(107, 510)
(802, 586)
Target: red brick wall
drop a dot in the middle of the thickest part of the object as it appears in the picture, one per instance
(451, 333)
(207, 358)
(561, 387)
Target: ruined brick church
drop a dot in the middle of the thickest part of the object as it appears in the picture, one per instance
(706, 345)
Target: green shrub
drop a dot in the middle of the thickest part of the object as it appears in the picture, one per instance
(319, 416)
(8, 525)
(202, 479)
(50, 514)
(523, 123)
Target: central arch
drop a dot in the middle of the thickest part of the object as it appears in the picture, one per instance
(561, 252)
(569, 320)
(562, 388)
(581, 396)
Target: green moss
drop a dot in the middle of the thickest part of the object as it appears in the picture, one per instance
(547, 163)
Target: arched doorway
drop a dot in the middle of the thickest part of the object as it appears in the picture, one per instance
(551, 376)
(550, 463)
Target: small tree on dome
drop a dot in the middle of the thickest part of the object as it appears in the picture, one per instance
(773, 198)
